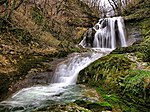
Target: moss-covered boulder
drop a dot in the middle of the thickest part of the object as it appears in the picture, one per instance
(78, 106)
(107, 70)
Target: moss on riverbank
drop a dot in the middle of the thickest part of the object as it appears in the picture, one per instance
(123, 77)
(30, 43)
(120, 77)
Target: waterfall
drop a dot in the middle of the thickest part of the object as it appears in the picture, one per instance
(105, 36)
(109, 33)
(66, 72)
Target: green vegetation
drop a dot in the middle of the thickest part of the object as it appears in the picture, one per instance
(32, 34)
(137, 84)
(77, 106)
(113, 68)
(123, 77)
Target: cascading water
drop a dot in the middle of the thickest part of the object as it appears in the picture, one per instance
(104, 41)
(67, 71)
(110, 33)
(66, 74)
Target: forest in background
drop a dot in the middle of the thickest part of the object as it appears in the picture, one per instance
(33, 32)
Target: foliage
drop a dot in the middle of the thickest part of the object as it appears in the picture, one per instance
(119, 85)
(107, 70)
(137, 9)
(137, 83)
(22, 35)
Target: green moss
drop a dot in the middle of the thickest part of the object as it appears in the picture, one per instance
(94, 106)
(123, 102)
(145, 26)
(105, 104)
(118, 84)
(137, 83)
(107, 70)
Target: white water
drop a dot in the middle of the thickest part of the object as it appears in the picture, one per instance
(65, 75)
(110, 33)
(67, 71)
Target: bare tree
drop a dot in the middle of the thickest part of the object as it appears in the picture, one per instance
(116, 6)
(7, 7)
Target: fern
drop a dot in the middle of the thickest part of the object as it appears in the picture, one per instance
(137, 81)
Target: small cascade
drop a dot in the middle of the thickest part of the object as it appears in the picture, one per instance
(109, 33)
(105, 36)
(66, 72)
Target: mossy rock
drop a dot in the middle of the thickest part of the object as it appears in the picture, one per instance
(77, 106)
(108, 70)
(137, 85)
(94, 106)
(49, 39)
(70, 107)
(113, 73)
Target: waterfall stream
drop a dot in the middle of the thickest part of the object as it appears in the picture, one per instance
(109, 33)
(105, 39)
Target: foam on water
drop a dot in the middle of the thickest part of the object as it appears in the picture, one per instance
(65, 75)
(105, 40)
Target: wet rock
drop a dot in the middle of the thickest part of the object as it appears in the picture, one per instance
(89, 34)
(9, 84)
(92, 95)
(94, 106)
(70, 107)
(88, 101)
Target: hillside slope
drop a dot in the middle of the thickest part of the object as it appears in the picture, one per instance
(34, 33)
